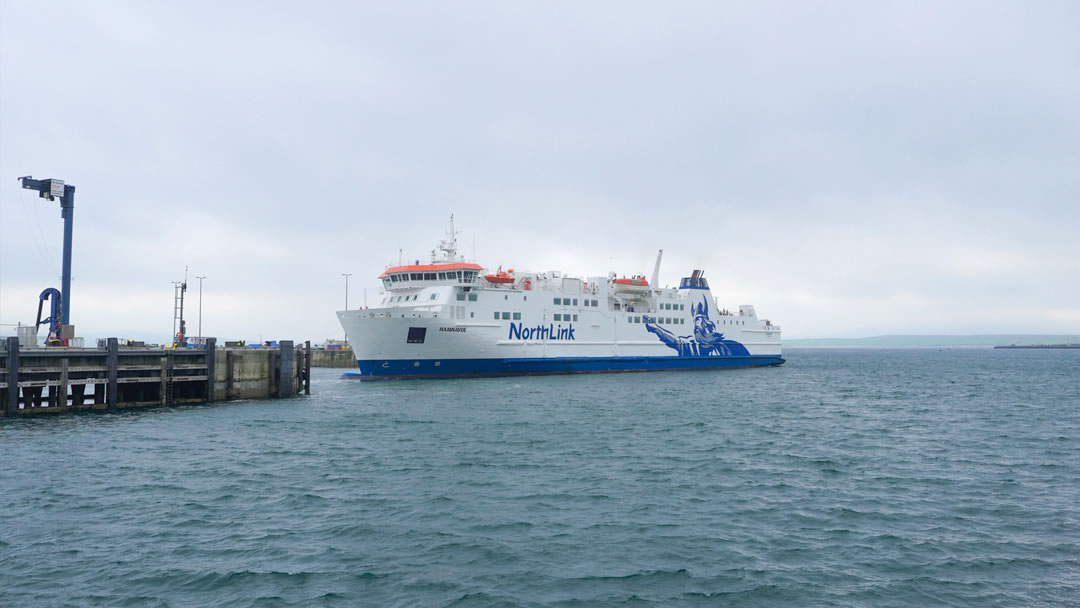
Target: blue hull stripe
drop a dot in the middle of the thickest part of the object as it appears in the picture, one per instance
(456, 368)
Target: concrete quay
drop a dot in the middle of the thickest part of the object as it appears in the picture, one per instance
(60, 380)
(333, 358)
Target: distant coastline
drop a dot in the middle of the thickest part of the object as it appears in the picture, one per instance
(1069, 345)
(976, 340)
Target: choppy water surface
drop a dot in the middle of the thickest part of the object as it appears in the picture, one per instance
(844, 478)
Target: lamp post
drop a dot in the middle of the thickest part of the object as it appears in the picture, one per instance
(200, 305)
(346, 275)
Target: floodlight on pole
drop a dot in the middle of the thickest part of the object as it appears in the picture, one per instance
(200, 305)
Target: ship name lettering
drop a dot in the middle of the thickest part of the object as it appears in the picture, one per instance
(518, 331)
(455, 329)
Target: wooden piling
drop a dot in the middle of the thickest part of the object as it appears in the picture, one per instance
(286, 368)
(211, 377)
(62, 395)
(307, 367)
(170, 361)
(112, 363)
(13, 375)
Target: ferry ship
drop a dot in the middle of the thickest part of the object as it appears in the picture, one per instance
(453, 318)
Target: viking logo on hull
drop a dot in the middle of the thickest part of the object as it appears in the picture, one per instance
(518, 331)
(706, 341)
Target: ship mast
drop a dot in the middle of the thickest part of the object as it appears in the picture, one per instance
(448, 246)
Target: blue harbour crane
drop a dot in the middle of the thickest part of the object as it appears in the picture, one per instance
(53, 189)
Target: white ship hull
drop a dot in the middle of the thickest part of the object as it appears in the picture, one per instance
(444, 319)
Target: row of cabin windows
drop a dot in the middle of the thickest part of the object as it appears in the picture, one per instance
(391, 299)
(670, 306)
(461, 296)
(516, 316)
(573, 302)
(659, 321)
(463, 276)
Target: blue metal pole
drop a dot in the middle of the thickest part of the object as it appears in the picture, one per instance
(67, 211)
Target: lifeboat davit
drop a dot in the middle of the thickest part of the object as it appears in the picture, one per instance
(635, 285)
(499, 277)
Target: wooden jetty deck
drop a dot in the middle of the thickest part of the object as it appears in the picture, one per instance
(59, 380)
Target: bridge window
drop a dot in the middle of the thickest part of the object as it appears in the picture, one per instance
(416, 276)
(429, 276)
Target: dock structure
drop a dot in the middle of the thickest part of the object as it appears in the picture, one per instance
(343, 359)
(59, 380)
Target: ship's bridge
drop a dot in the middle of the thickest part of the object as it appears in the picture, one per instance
(423, 275)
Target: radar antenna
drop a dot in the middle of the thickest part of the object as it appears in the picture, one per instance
(449, 245)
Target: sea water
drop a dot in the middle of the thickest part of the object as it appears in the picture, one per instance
(919, 477)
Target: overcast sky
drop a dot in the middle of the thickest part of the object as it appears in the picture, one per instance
(850, 168)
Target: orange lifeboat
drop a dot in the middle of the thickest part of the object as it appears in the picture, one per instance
(499, 277)
(635, 285)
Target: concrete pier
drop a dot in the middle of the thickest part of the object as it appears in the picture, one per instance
(333, 358)
(59, 380)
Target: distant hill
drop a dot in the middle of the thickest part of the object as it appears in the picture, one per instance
(916, 340)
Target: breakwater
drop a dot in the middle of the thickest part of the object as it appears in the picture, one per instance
(60, 380)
